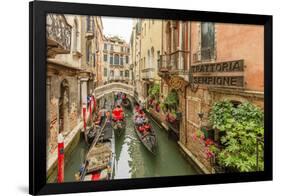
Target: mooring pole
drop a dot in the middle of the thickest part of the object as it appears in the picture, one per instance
(60, 158)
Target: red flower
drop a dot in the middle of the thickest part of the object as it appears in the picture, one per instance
(209, 142)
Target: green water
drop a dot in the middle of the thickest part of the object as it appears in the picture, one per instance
(77, 157)
(133, 160)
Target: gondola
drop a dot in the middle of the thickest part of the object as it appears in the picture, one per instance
(99, 162)
(126, 103)
(149, 140)
(119, 127)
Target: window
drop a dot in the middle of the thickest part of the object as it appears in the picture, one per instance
(93, 26)
(88, 53)
(111, 59)
(75, 35)
(152, 57)
(105, 72)
(127, 73)
(127, 59)
(88, 26)
(122, 49)
(116, 59)
(105, 46)
(158, 55)
(94, 60)
(144, 29)
(111, 73)
(105, 58)
(207, 40)
(121, 73)
(121, 60)
(111, 47)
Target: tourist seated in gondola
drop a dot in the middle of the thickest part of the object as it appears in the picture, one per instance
(144, 129)
(147, 127)
(117, 114)
(137, 108)
(99, 119)
(139, 120)
(107, 116)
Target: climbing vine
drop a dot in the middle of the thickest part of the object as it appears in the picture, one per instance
(172, 100)
(244, 132)
(154, 91)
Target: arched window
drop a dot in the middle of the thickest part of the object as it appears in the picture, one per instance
(111, 59)
(235, 103)
(168, 37)
(126, 73)
(88, 26)
(64, 107)
(148, 59)
(152, 57)
(121, 60)
(88, 53)
(116, 59)
(207, 40)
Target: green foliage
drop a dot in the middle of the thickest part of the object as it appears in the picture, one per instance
(243, 126)
(154, 91)
(172, 100)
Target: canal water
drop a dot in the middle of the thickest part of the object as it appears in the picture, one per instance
(133, 160)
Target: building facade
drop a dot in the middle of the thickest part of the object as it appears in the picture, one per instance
(151, 49)
(204, 63)
(70, 77)
(116, 60)
(92, 48)
(227, 64)
(135, 57)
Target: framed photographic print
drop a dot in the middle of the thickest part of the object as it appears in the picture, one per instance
(131, 97)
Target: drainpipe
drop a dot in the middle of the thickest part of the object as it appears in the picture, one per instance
(189, 46)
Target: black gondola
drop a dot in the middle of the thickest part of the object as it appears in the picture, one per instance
(126, 103)
(119, 127)
(99, 163)
(148, 139)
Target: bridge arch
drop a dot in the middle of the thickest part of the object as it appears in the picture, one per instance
(113, 87)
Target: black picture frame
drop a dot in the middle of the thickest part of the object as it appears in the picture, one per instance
(37, 96)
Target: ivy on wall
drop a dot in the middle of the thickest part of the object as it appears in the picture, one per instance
(243, 139)
(154, 91)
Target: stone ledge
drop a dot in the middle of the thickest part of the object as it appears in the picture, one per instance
(194, 159)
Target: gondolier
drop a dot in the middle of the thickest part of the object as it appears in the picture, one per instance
(117, 114)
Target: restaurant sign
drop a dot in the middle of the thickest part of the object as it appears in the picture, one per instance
(228, 73)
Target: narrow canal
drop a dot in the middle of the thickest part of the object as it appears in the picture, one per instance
(133, 160)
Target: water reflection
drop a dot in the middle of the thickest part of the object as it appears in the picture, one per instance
(133, 160)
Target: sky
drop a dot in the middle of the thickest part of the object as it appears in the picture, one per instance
(118, 26)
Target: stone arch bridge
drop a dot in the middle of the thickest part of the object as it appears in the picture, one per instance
(113, 87)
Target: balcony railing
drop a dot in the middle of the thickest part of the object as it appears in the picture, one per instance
(58, 33)
(204, 54)
(172, 63)
(147, 73)
(117, 78)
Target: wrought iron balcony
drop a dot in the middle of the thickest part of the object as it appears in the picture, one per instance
(172, 63)
(147, 73)
(58, 34)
